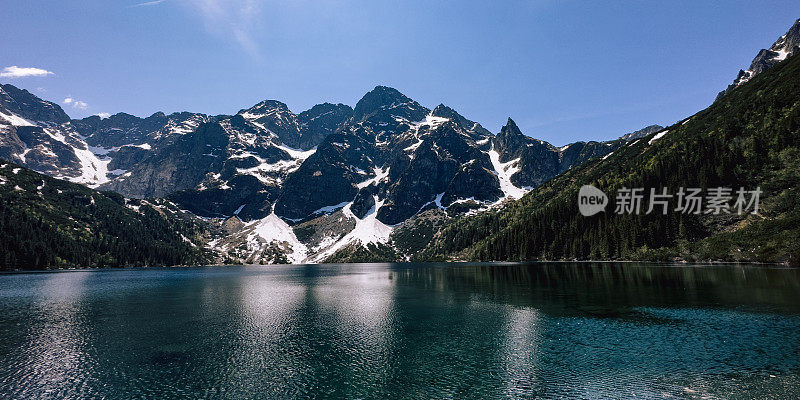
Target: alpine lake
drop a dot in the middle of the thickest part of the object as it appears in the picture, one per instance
(403, 331)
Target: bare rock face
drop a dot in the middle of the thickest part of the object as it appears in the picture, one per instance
(303, 131)
(320, 121)
(328, 177)
(178, 166)
(337, 175)
(24, 104)
(364, 201)
(388, 155)
(536, 161)
(783, 48)
(629, 137)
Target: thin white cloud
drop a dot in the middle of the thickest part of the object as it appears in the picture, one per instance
(103, 115)
(149, 3)
(23, 72)
(235, 19)
(76, 104)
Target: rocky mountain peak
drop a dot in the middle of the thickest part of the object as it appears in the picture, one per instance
(472, 127)
(325, 112)
(510, 141)
(444, 111)
(322, 120)
(266, 107)
(783, 48)
(641, 132)
(24, 104)
(122, 118)
(510, 129)
(275, 116)
(382, 97)
(789, 42)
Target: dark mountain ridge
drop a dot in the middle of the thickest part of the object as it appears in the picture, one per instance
(783, 48)
(364, 170)
(749, 138)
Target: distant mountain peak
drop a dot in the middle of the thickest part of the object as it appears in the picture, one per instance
(26, 105)
(266, 107)
(511, 129)
(381, 97)
(446, 112)
(475, 129)
(322, 108)
(783, 48)
(641, 132)
(443, 109)
(386, 89)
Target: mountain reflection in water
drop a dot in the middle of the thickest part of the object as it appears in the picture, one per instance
(548, 330)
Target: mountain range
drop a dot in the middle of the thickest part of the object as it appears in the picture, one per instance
(374, 166)
(387, 179)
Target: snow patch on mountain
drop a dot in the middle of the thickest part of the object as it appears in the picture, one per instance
(297, 154)
(380, 175)
(367, 230)
(438, 201)
(330, 209)
(99, 150)
(414, 146)
(145, 146)
(94, 172)
(272, 229)
(431, 121)
(14, 119)
(658, 136)
(504, 172)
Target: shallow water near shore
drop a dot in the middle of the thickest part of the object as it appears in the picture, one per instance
(541, 330)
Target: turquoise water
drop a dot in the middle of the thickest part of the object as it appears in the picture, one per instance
(560, 330)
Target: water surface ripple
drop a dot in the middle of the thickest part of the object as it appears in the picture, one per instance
(472, 331)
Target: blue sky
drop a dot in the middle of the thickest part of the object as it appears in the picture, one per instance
(563, 70)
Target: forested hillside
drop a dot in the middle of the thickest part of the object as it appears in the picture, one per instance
(748, 138)
(49, 223)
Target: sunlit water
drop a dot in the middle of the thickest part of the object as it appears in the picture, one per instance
(403, 331)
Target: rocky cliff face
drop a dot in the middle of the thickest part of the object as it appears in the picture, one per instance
(346, 176)
(783, 48)
(23, 104)
(38, 134)
(529, 162)
(302, 187)
(628, 137)
(320, 121)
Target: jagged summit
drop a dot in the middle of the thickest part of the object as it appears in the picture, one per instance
(641, 132)
(324, 107)
(322, 120)
(323, 170)
(381, 97)
(24, 104)
(783, 48)
(510, 128)
(266, 107)
(444, 111)
(510, 141)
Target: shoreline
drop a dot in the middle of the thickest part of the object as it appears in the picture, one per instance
(682, 264)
